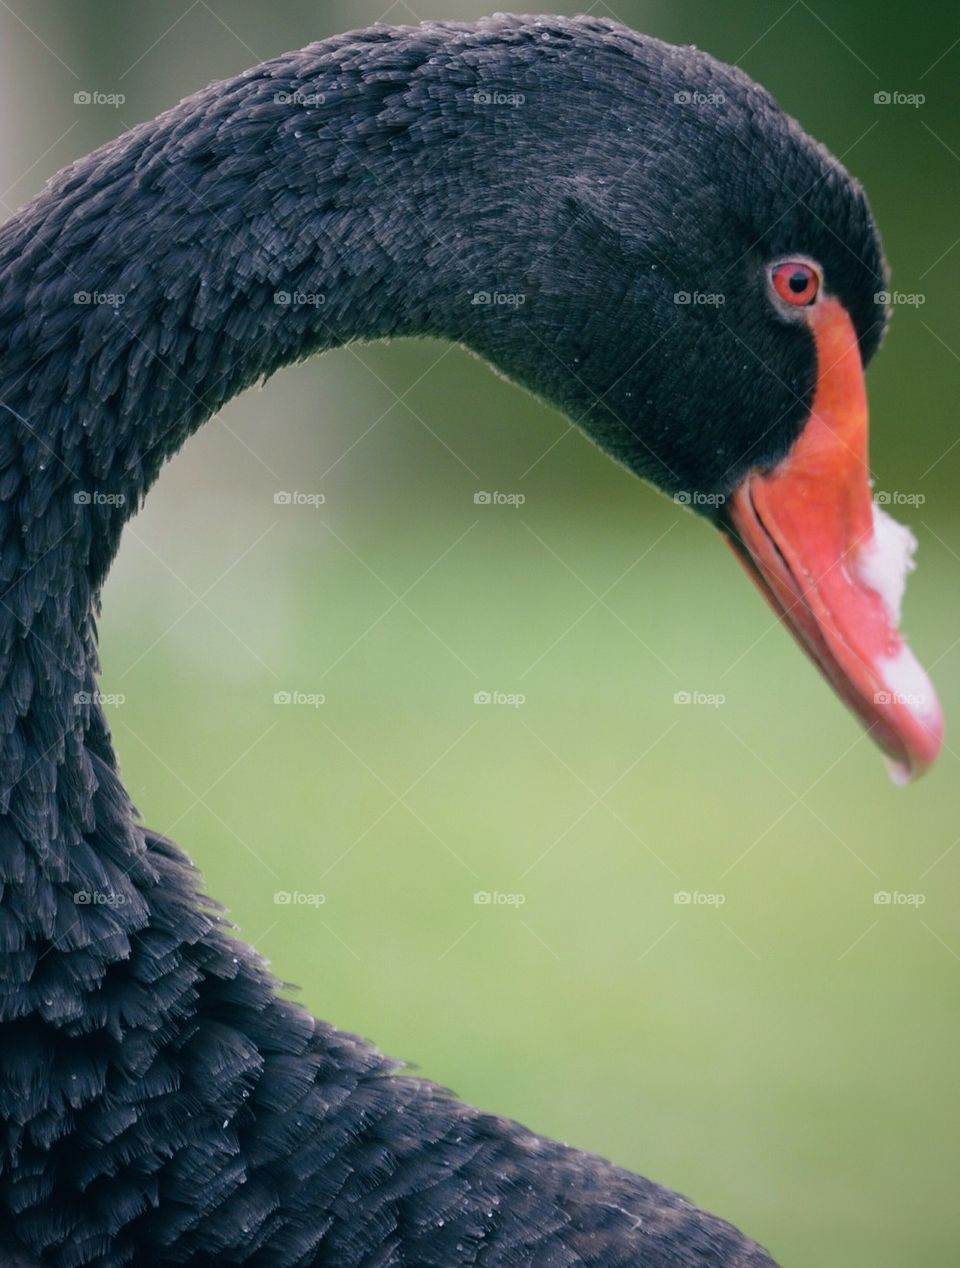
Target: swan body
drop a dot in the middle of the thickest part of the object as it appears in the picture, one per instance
(161, 1101)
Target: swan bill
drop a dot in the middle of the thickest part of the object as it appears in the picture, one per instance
(833, 565)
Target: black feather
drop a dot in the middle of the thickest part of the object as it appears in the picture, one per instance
(160, 1102)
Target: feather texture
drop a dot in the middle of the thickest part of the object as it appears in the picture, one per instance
(161, 1102)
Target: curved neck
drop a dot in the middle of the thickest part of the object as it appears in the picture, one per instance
(258, 222)
(262, 220)
(364, 187)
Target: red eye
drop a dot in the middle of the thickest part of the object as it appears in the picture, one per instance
(796, 282)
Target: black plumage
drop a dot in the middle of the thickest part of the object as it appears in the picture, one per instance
(161, 1102)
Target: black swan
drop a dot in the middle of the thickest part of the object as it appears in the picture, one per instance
(161, 1102)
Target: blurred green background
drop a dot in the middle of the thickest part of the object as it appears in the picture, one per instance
(786, 1057)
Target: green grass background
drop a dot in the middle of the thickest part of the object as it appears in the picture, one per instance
(789, 1058)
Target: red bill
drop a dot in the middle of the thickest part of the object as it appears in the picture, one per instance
(833, 565)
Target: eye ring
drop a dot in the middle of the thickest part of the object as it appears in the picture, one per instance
(796, 282)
